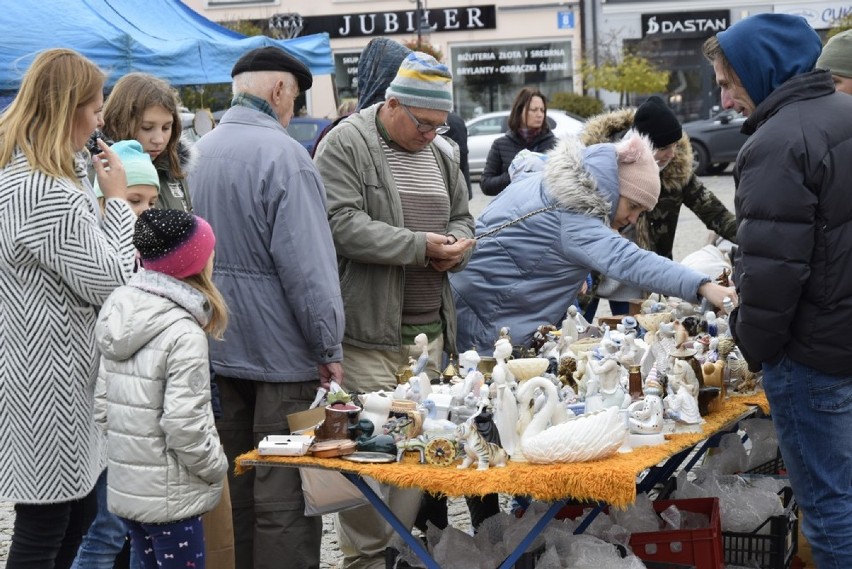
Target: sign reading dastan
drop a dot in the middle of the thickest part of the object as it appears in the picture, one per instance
(685, 24)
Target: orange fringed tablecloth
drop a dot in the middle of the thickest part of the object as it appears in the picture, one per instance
(612, 480)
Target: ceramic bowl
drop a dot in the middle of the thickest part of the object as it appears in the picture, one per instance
(526, 368)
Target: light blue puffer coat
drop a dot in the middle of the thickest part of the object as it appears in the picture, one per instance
(528, 273)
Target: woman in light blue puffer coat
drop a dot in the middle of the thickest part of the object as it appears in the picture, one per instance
(548, 229)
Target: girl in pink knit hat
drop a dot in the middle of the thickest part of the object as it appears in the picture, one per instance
(152, 397)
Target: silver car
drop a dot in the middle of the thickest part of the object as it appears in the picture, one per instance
(483, 130)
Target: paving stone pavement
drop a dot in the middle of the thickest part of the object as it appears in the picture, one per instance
(691, 235)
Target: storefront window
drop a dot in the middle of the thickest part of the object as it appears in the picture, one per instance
(486, 78)
(346, 74)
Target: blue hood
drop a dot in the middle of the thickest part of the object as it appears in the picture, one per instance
(377, 67)
(768, 49)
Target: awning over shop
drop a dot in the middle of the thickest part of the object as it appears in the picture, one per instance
(162, 37)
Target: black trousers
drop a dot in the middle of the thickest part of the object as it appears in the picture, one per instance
(46, 536)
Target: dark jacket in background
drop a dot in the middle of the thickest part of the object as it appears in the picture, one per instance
(794, 227)
(495, 176)
(458, 134)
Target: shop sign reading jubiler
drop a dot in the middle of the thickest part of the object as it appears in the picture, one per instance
(460, 19)
(685, 24)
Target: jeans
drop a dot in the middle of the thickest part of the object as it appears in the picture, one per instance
(105, 538)
(174, 545)
(812, 413)
(46, 536)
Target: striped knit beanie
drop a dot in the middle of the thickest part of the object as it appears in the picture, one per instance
(422, 82)
(173, 242)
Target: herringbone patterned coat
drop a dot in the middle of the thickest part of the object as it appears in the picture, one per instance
(56, 266)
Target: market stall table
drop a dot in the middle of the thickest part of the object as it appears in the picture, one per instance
(610, 481)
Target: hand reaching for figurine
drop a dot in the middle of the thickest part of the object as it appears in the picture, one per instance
(716, 294)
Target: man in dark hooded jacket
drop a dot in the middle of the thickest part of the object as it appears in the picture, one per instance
(794, 268)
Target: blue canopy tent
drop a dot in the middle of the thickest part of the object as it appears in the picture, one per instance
(161, 37)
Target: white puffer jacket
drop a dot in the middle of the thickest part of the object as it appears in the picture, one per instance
(165, 462)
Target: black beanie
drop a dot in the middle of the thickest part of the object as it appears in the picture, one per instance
(656, 120)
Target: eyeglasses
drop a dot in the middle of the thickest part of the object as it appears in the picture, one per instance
(426, 128)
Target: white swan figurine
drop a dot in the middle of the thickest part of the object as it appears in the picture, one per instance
(582, 438)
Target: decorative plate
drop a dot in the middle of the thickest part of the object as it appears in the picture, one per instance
(366, 456)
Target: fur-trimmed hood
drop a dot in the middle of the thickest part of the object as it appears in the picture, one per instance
(583, 179)
(612, 126)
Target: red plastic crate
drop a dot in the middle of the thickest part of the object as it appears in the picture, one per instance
(701, 548)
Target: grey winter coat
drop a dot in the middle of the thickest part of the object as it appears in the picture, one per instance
(794, 216)
(152, 397)
(528, 273)
(57, 264)
(275, 262)
(373, 245)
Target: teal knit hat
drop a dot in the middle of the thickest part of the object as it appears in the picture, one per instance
(137, 165)
(422, 82)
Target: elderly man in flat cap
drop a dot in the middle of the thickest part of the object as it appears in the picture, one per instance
(276, 267)
(397, 205)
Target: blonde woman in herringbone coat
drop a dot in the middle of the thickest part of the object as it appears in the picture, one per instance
(57, 264)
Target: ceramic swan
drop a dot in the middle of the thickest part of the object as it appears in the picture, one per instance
(587, 437)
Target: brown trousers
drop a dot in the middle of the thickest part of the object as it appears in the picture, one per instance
(219, 533)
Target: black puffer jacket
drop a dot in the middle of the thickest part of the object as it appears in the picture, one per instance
(495, 176)
(794, 227)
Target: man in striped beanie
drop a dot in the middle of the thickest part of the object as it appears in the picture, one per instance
(397, 207)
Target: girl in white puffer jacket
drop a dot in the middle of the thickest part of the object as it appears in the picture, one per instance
(165, 464)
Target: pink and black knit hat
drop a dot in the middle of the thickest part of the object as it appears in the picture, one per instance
(173, 242)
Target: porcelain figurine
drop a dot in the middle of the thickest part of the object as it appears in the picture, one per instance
(506, 418)
(659, 352)
(502, 352)
(630, 353)
(710, 318)
(376, 408)
(477, 449)
(645, 417)
(421, 343)
(714, 376)
(433, 422)
(504, 335)
(681, 403)
(570, 334)
(586, 437)
(580, 322)
(608, 373)
(468, 361)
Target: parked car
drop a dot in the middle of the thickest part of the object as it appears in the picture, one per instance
(305, 130)
(715, 141)
(483, 130)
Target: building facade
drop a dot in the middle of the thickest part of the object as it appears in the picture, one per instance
(493, 49)
(671, 33)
